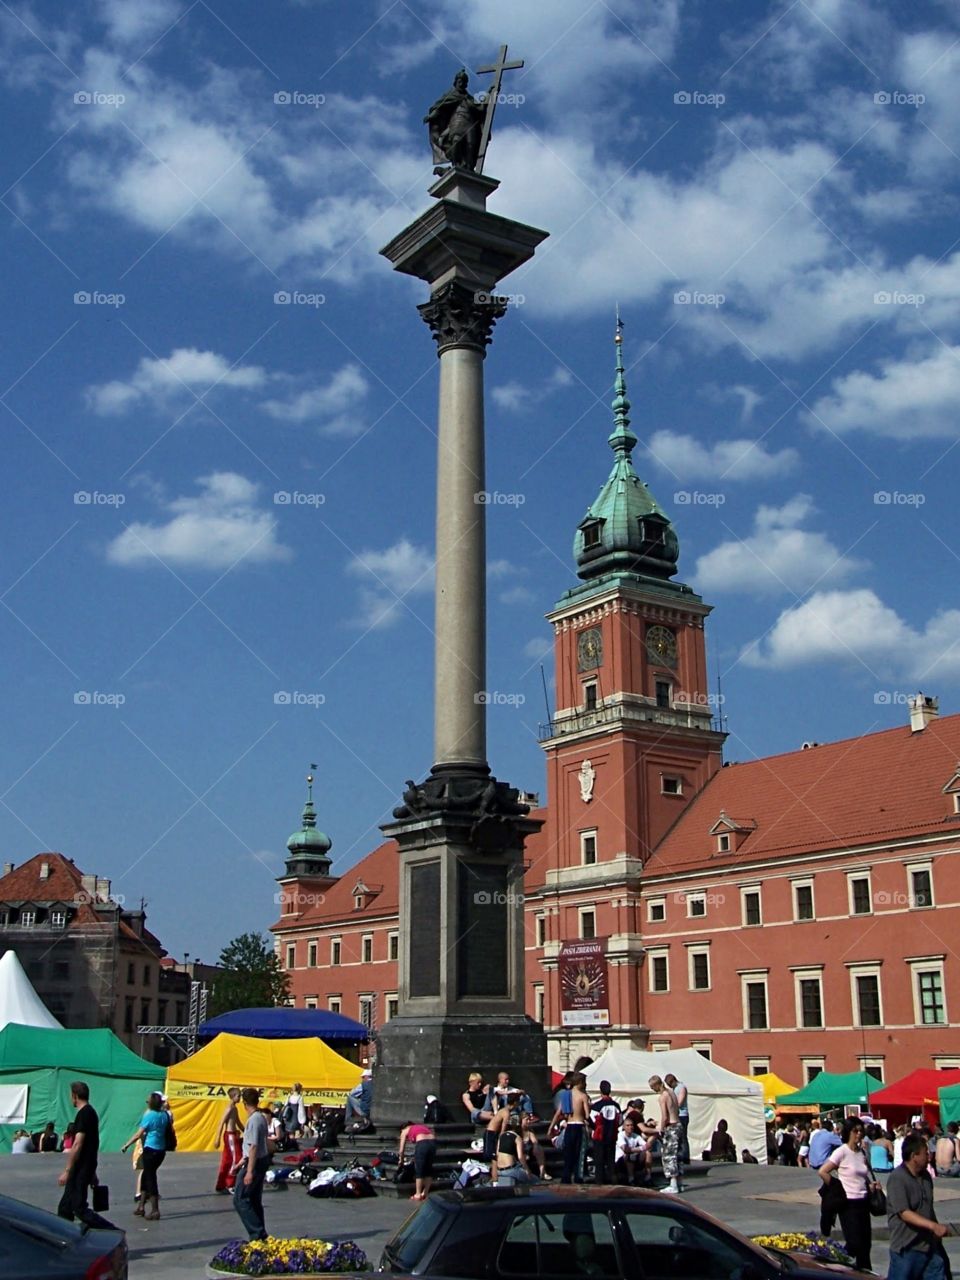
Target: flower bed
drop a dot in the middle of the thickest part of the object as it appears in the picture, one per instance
(274, 1257)
(809, 1242)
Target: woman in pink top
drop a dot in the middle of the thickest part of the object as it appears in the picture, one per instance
(849, 1163)
(424, 1153)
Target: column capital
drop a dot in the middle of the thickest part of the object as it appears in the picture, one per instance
(460, 316)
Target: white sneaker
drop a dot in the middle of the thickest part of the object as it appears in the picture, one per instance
(672, 1190)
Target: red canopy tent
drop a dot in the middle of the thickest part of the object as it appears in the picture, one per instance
(915, 1093)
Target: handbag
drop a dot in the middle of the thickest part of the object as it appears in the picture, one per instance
(877, 1201)
(833, 1195)
(405, 1173)
(100, 1197)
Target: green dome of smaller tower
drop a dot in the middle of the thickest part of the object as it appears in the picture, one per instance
(308, 847)
(624, 530)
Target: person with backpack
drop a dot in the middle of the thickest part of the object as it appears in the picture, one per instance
(154, 1133)
(606, 1116)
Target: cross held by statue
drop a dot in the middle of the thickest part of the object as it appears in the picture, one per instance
(493, 96)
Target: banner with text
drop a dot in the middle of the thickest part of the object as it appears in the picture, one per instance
(584, 998)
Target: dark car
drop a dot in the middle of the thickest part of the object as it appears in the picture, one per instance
(36, 1245)
(623, 1234)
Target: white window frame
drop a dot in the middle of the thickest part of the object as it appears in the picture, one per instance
(310, 1002)
(758, 1066)
(812, 973)
(931, 964)
(660, 1046)
(334, 1004)
(661, 953)
(539, 1003)
(393, 945)
(865, 970)
(946, 1063)
(671, 778)
(807, 1062)
(540, 930)
(58, 919)
(872, 1063)
(747, 978)
(699, 895)
(313, 949)
(28, 919)
(591, 684)
(745, 891)
(358, 902)
(587, 911)
(336, 950)
(391, 1005)
(698, 949)
(585, 836)
(724, 841)
(659, 902)
(805, 883)
(703, 1047)
(291, 955)
(859, 875)
(366, 948)
(910, 869)
(366, 1001)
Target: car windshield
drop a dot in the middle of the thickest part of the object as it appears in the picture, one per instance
(407, 1247)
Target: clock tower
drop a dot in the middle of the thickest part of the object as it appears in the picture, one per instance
(633, 738)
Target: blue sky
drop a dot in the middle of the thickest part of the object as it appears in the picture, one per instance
(768, 190)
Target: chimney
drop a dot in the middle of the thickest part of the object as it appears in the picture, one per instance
(102, 889)
(89, 888)
(7, 868)
(44, 870)
(922, 711)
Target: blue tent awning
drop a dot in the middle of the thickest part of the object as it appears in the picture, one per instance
(285, 1024)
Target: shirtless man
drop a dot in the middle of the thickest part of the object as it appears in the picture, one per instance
(670, 1133)
(229, 1134)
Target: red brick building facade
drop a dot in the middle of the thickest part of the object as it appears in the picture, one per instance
(787, 914)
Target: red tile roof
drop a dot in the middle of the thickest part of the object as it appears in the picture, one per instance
(64, 884)
(874, 788)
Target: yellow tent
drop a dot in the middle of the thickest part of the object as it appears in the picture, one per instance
(771, 1084)
(197, 1087)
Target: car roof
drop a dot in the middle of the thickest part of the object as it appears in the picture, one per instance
(539, 1194)
(16, 1215)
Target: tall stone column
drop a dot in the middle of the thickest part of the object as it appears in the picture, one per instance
(460, 832)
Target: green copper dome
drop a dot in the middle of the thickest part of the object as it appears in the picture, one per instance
(624, 530)
(308, 844)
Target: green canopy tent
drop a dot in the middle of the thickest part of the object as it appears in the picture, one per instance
(949, 1104)
(830, 1090)
(48, 1060)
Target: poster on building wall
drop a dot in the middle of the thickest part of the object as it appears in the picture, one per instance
(584, 998)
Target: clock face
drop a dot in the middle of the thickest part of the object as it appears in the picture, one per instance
(661, 645)
(589, 649)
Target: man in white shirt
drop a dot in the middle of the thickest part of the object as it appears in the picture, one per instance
(631, 1156)
(248, 1188)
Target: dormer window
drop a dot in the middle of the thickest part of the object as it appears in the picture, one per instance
(358, 902)
(28, 918)
(592, 534)
(58, 918)
(652, 534)
(731, 833)
(723, 842)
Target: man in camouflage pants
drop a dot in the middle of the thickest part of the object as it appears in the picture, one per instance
(671, 1133)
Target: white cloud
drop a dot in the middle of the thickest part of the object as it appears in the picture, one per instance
(520, 395)
(516, 595)
(778, 556)
(907, 399)
(326, 405)
(687, 459)
(388, 576)
(138, 20)
(857, 627)
(185, 370)
(538, 648)
(217, 529)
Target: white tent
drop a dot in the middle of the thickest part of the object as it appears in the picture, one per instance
(714, 1093)
(18, 1000)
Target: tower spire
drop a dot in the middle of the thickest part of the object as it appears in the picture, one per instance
(622, 440)
(308, 848)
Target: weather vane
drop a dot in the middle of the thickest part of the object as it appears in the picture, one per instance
(460, 125)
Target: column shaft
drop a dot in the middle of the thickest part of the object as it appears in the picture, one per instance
(460, 676)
